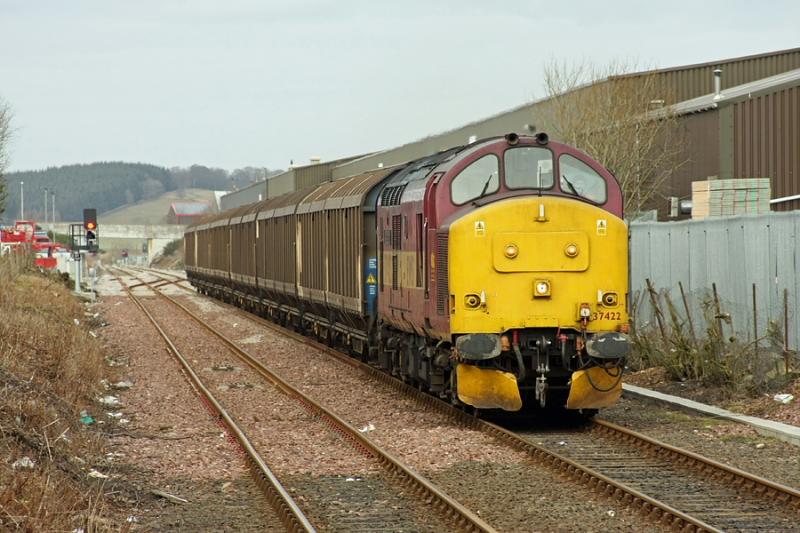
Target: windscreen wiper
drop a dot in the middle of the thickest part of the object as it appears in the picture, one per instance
(486, 186)
(572, 188)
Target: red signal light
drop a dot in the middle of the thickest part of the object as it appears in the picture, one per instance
(90, 219)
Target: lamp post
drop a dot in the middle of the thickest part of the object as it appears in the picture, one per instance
(22, 200)
(45, 207)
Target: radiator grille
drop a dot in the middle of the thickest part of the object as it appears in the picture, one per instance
(442, 289)
(391, 195)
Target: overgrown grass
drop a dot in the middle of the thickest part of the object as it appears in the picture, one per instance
(50, 369)
(704, 348)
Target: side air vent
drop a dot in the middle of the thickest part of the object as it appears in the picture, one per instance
(442, 289)
(397, 231)
(391, 195)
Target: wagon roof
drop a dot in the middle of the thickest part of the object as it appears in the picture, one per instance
(343, 193)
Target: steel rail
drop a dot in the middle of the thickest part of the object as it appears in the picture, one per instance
(737, 478)
(450, 508)
(282, 502)
(654, 508)
(740, 478)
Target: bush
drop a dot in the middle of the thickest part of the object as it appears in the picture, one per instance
(172, 247)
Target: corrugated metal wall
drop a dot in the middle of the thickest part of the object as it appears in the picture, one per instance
(281, 184)
(699, 157)
(252, 193)
(696, 80)
(767, 142)
(313, 174)
(734, 253)
(514, 120)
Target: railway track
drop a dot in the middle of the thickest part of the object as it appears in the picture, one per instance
(397, 499)
(287, 510)
(723, 497)
(673, 486)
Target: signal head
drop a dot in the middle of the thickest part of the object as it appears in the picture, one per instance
(90, 219)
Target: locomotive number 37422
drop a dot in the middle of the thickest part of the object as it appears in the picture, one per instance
(608, 315)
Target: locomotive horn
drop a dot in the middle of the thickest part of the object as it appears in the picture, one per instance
(542, 138)
(512, 138)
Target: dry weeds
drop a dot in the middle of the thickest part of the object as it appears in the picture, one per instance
(50, 370)
(703, 349)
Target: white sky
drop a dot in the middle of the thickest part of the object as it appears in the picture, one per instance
(258, 82)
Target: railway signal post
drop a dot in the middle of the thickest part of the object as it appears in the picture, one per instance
(90, 226)
(83, 238)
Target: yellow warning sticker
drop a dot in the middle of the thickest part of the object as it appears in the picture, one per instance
(602, 226)
(480, 228)
(371, 280)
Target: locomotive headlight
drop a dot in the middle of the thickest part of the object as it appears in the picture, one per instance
(511, 251)
(541, 288)
(571, 250)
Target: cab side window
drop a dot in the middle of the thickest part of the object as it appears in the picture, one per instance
(480, 178)
(579, 179)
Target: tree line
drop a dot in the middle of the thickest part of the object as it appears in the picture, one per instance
(108, 185)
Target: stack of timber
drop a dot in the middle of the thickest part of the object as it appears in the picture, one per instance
(715, 197)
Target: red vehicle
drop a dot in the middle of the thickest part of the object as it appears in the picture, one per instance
(25, 235)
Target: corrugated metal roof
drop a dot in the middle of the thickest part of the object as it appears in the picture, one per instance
(189, 208)
(716, 62)
(687, 81)
(733, 94)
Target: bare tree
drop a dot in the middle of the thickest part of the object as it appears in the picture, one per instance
(5, 139)
(622, 120)
(151, 189)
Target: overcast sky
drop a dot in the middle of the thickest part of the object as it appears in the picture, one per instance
(259, 82)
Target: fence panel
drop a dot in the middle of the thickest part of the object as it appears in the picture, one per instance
(732, 252)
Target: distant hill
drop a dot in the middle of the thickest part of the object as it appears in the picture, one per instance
(154, 211)
(109, 185)
(103, 186)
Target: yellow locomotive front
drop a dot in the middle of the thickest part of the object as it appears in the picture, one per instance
(538, 301)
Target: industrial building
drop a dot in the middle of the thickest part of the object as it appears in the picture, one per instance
(747, 127)
(295, 178)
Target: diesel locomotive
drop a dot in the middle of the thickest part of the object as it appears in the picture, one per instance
(494, 274)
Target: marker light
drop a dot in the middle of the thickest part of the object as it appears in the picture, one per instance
(586, 311)
(571, 250)
(511, 251)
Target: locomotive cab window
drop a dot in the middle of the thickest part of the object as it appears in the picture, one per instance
(579, 179)
(529, 167)
(480, 178)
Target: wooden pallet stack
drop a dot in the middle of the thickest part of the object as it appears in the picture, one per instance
(717, 198)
